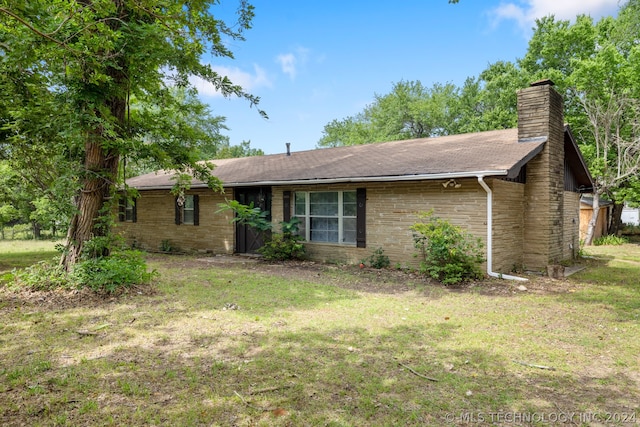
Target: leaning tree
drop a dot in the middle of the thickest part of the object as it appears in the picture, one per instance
(77, 65)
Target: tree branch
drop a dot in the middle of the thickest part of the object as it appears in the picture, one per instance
(31, 27)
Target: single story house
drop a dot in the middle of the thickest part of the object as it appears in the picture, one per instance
(517, 189)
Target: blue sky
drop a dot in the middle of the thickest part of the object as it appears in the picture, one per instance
(314, 61)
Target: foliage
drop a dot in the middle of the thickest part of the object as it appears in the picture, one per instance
(285, 245)
(226, 151)
(277, 246)
(87, 84)
(602, 92)
(409, 111)
(610, 240)
(281, 247)
(166, 246)
(449, 254)
(249, 215)
(377, 259)
(121, 269)
(43, 276)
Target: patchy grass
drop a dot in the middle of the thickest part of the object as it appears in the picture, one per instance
(247, 343)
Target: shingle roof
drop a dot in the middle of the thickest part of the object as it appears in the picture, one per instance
(490, 153)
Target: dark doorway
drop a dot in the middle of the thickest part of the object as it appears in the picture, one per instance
(248, 241)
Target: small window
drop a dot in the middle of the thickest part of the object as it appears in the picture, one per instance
(187, 211)
(127, 209)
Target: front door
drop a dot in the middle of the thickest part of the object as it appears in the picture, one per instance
(248, 240)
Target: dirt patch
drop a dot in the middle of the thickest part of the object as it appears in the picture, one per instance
(61, 299)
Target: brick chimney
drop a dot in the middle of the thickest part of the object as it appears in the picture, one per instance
(540, 115)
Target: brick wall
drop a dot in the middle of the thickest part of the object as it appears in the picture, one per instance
(156, 222)
(540, 114)
(508, 226)
(391, 210)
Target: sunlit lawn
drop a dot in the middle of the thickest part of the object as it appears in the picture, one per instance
(248, 344)
(21, 253)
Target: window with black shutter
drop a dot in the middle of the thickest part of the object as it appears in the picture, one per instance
(331, 216)
(127, 209)
(187, 210)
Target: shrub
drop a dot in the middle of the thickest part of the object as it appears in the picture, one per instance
(43, 276)
(102, 273)
(377, 259)
(285, 245)
(121, 269)
(449, 254)
(281, 247)
(611, 240)
(166, 246)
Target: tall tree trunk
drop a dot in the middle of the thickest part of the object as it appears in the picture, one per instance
(87, 223)
(615, 223)
(36, 230)
(92, 218)
(591, 228)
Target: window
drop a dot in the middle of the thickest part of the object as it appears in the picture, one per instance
(127, 211)
(327, 216)
(187, 209)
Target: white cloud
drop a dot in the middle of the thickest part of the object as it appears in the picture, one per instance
(247, 80)
(288, 64)
(525, 12)
(292, 61)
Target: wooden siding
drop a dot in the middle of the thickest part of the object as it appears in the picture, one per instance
(585, 216)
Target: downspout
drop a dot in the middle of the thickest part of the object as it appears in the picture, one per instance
(490, 234)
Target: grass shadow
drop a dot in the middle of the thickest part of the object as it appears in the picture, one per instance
(405, 375)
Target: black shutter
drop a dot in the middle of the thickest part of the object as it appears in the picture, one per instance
(178, 211)
(122, 203)
(361, 218)
(135, 210)
(196, 209)
(286, 206)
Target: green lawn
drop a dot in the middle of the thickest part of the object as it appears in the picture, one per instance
(22, 253)
(301, 344)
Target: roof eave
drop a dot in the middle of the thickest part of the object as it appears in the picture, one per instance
(515, 170)
(346, 180)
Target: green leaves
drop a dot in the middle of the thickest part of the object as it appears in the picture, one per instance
(69, 71)
(449, 254)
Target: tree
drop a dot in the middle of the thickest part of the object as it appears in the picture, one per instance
(601, 88)
(410, 110)
(227, 151)
(490, 101)
(187, 123)
(613, 113)
(83, 61)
